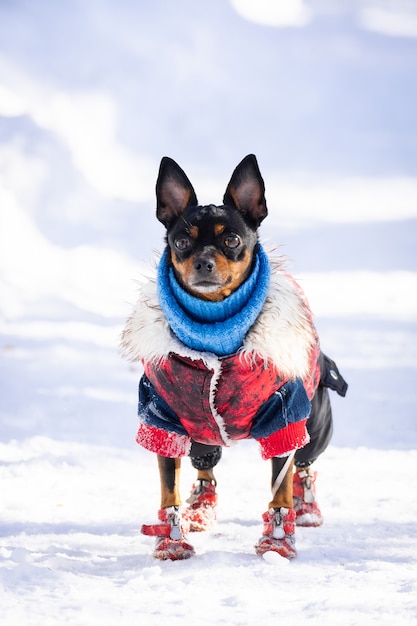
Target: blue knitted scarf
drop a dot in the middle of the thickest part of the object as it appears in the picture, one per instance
(218, 327)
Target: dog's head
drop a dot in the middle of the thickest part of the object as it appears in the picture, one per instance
(211, 247)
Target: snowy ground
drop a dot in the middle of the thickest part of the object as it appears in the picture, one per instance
(75, 488)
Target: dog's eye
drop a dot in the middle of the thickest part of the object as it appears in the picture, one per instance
(232, 241)
(182, 243)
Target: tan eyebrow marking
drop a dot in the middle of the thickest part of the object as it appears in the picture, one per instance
(219, 229)
(193, 231)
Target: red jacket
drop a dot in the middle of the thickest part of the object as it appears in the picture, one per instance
(261, 392)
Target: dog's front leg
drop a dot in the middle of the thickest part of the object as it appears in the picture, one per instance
(282, 495)
(170, 531)
(169, 474)
(279, 519)
(202, 502)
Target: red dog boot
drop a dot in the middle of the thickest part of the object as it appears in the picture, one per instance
(171, 543)
(304, 494)
(278, 533)
(201, 512)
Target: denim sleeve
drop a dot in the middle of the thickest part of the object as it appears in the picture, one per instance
(154, 411)
(286, 406)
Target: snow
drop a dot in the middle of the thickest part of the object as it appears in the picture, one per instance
(92, 95)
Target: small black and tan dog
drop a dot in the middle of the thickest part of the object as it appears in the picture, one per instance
(229, 352)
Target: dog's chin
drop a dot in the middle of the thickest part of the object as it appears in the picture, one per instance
(210, 291)
(206, 287)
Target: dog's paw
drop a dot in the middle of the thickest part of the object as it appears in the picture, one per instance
(309, 515)
(201, 512)
(278, 535)
(275, 559)
(305, 504)
(200, 519)
(172, 549)
(283, 547)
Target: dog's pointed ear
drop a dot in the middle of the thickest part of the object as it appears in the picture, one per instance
(246, 191)
(174, 192)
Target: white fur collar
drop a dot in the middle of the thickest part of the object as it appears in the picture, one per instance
(283, 333)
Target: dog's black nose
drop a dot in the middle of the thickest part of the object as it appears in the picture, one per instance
(204, 265)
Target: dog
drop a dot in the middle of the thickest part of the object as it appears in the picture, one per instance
(229, 351)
